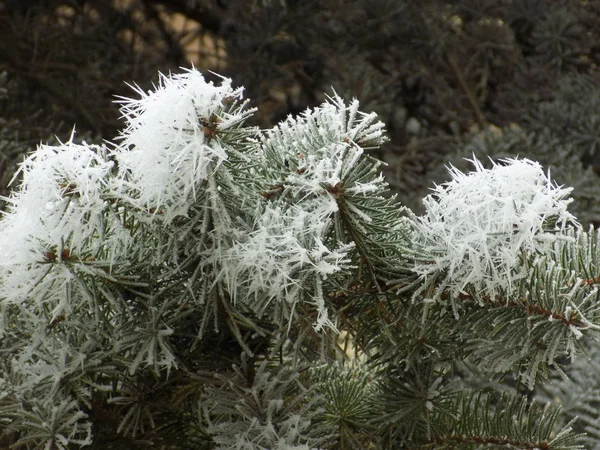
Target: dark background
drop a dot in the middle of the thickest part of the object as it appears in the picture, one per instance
(449, 79)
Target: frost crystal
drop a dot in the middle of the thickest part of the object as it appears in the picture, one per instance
(170, 143)
(479, 227)
(282, 257)
(289, 252)
(57, 213)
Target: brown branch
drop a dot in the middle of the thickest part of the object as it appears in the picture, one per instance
(455, 438)
(452, 60)
(591, 281)
(523, 304)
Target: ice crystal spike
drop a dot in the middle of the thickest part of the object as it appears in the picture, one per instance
(478, 226)
(170, 143)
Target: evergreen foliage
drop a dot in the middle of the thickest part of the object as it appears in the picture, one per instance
(202, 283)
(197, 282)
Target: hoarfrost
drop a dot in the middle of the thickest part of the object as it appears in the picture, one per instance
(480, 226)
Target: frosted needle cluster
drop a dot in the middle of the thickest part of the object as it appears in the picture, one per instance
(479, 227)
(168, 146)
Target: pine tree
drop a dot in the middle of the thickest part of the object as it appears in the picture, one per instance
(202, 283)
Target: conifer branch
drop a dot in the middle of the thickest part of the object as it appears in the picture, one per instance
(195, 279)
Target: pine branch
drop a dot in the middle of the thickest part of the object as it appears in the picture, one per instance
(507, 421)
(192, 286)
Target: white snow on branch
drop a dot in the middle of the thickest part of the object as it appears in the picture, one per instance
(333, 122)
(57, 213)
(479, 227)
(171, 141)
(284, 259)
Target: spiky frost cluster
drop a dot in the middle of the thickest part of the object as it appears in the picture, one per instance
(68, 229)
(288, 254)
(282, 257)
(170, 144)
(479, 226)
(58, 212)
